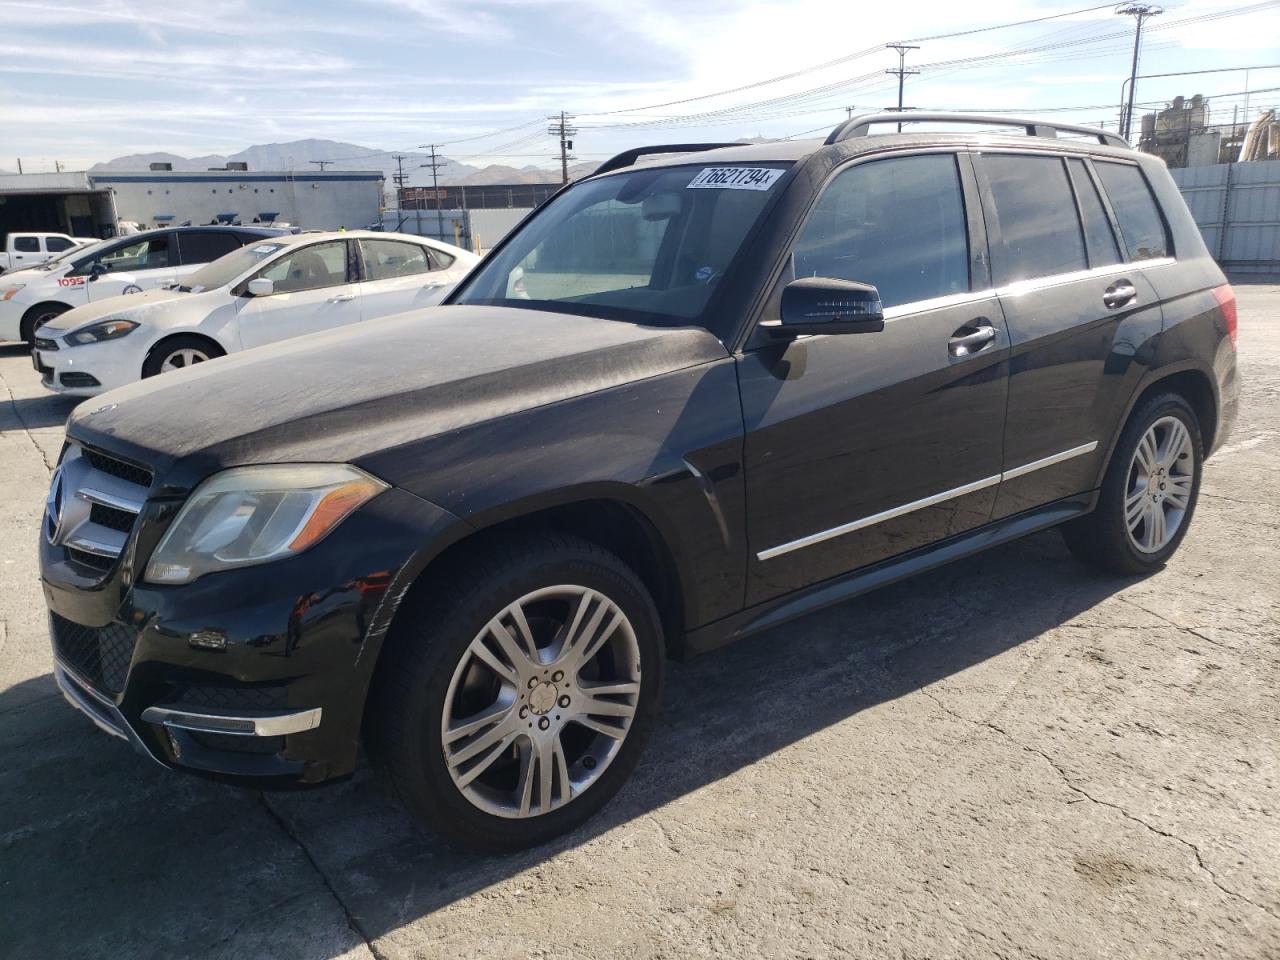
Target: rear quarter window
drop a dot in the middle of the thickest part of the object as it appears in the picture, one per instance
(1141, 224)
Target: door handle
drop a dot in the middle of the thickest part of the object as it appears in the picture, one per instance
(971, 338)
(1118, 294)
(342, 297)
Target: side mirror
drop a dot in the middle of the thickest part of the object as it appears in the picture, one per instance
(97, 270)
(821, 305)
(261, 287)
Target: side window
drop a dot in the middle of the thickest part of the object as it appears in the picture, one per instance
(149, 254)
(1103, 249)
(388, 259)
(441, 261)
(898, 224)
(1039, 232)
(26, 244)
(312, 267)
(57, 244)
(205, 246)
(1136, 211)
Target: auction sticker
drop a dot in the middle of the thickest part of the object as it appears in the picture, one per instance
(735, 178)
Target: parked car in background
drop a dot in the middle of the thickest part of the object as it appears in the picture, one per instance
(691, 397)
(272, 290)
(22, 250)
(131, 264)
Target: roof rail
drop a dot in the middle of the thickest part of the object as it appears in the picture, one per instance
(628, 157)
(857, 126)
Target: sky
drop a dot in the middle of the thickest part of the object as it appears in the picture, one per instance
(83, 81)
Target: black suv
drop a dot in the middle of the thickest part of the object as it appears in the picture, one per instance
(702, 391)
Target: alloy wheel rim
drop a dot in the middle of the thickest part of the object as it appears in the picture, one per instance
(179, 359)
(541, 701)
(1158, 493)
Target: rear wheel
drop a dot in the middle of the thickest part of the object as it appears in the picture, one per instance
(175, 353)
(1149, 493)
(513, 701)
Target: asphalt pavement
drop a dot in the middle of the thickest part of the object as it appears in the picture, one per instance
(1009, 757)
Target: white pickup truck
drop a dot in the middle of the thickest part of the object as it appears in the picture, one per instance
(22, 250)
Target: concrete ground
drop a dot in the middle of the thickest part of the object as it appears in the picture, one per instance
(1011, 757)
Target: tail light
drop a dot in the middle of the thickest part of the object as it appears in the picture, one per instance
(1226, 298)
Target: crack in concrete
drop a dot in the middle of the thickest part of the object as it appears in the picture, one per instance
(1177, 626)
(353, 922)
(1085, 795)
(13, 403)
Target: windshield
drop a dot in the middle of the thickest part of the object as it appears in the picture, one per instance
(648, 246)
(62, 258)
(227, 268)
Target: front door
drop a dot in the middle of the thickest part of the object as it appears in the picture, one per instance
(145, 264)
(315, 289)
(861, 447)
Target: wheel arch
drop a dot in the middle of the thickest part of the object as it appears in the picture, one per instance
(1190, 381)
(614, 523)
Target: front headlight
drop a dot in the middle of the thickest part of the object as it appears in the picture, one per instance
(97, 332)
(10, 291)
(251, 515)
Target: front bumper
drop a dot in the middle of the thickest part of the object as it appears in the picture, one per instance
(83, 371)
(256, 675)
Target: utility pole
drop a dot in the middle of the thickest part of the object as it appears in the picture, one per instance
(902, 72)
(1140, 12)
(560, 128)
(399, 178)
(434, 166)
(321, 163)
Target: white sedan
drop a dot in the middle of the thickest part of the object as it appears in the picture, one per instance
(278, 288)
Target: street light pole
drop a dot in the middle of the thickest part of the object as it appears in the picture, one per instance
(1140, 12)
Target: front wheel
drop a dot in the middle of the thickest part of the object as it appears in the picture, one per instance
(515, 694)
(1149, 493)
(177, 353)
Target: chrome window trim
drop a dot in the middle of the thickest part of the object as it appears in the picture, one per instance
(930, 501)
(1019, 287)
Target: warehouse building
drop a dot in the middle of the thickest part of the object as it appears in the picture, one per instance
(101, 203)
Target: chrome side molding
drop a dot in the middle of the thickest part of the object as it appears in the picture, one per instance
(930, 501)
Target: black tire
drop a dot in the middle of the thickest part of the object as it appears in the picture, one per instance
(431, 637)
(1102, 538)
(37, 316)
(154, 363)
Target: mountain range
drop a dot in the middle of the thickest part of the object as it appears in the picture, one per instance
(336, 155)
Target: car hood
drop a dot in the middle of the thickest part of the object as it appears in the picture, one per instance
(342, 395)
(135, 306)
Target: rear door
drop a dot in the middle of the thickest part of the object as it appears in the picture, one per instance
(861, 447)
(198, 247)
(397, 275)
(1079, 316)
(315, 289)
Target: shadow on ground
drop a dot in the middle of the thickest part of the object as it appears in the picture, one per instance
(46, 410)
(73, 793)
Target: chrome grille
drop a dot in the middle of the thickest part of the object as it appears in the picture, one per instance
(93, 503)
